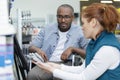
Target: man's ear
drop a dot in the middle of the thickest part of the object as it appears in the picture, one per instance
(93, 22)
(73, 17)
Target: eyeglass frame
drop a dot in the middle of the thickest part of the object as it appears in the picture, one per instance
(66, 17)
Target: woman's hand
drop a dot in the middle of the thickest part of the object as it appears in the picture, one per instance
(48, 66)
(57, 66)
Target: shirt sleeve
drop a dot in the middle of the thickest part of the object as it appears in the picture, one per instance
(73, 69)
(106, 58)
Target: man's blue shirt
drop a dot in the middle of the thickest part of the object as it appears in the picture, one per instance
(48, 37)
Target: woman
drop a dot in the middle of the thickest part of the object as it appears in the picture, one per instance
(103, 51)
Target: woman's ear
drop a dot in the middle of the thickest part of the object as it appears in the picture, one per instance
(93, 22)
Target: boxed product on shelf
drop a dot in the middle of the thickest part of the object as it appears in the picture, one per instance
(6, 57)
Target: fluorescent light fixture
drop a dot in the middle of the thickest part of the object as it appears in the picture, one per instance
(106, 1)
(116, 0)
(84, 0)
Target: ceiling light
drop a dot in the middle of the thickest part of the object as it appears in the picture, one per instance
(106, 1)
(116, 0)
(84, 0)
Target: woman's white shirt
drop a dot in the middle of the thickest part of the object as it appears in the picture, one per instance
(107, 57)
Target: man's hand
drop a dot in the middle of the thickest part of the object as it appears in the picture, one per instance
(66, 53)
(43, 55)
(35, 49)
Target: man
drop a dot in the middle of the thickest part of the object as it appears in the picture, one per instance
(57, 42)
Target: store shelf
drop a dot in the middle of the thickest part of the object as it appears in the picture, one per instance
(118, 36)
(36, 22)
(7, 29)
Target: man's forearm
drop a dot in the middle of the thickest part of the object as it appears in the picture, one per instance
(33, 49)
(79, 51)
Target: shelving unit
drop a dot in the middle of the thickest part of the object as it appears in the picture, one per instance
(6, 43)
(118, 36)
(36, 22)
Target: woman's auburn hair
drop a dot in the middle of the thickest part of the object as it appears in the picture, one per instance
(107, 15)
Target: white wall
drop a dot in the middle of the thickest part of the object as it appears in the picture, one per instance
(42, 8)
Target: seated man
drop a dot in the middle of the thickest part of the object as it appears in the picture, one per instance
(57, 42)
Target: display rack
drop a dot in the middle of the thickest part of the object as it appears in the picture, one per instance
(26, 26)
(118, 37)
(6, 43)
